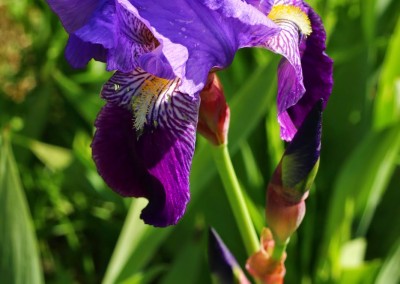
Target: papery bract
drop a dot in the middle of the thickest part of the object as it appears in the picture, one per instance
(214, 113)
(262, 266)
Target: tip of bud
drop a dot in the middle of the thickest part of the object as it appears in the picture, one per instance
(223, 264)
(302, 154)
(214, 113)
(294, 176)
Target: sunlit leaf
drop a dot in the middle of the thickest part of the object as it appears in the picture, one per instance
(357, 191)
(53, 157)
(19, 256)
(387, 102)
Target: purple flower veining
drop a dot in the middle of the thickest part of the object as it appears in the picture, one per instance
(305, 72)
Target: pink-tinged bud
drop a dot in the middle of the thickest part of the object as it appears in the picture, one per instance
(262, 266)
(284, 213)
(214, 112)
(293, 178)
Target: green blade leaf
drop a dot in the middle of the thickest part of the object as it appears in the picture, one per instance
(390, 272)
(19, 256)
(359, 187)
(387, 104)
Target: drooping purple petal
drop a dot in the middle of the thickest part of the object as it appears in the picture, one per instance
(114, 150)
(195, 36)
(317, 71)
(167, 159)
(158, 151)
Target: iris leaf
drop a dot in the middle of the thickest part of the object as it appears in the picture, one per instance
(356, 193)
(19, 256)
(387, 104)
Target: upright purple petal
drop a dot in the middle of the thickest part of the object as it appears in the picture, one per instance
(79, 53)
(132, 40)
(263, 5)
(74, 13)
(195, 36)
(99, 29)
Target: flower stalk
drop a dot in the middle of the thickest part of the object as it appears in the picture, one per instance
(235, 197)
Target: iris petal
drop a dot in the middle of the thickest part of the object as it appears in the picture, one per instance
(168, 160)
(158, 155)
(114, 150)
(305, 72)
(317, 72)
(198, 35)
(73, 13)
(79, 53)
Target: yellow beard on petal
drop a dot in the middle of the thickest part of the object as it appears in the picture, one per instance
(293, 14)
(148, 94)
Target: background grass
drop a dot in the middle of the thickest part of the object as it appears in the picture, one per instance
(59, 223)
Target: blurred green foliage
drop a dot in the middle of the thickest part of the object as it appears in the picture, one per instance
(350, 234)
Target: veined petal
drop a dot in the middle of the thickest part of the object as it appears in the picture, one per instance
(159, 134)
(168, 157)
(317, 71)
(305, 74)
(290, 75)
(133, 39)
(195, 36)
(262, 5)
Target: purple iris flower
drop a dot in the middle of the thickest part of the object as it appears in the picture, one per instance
(163, 51)
(305, 72)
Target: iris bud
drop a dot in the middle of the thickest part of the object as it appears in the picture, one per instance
(292, 179)
(214, 113)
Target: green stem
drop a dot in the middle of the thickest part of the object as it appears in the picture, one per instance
(279, 250)
(236, 198)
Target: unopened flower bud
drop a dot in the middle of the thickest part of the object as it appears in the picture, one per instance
(214, 112)
(293, 178)
(223, 265)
